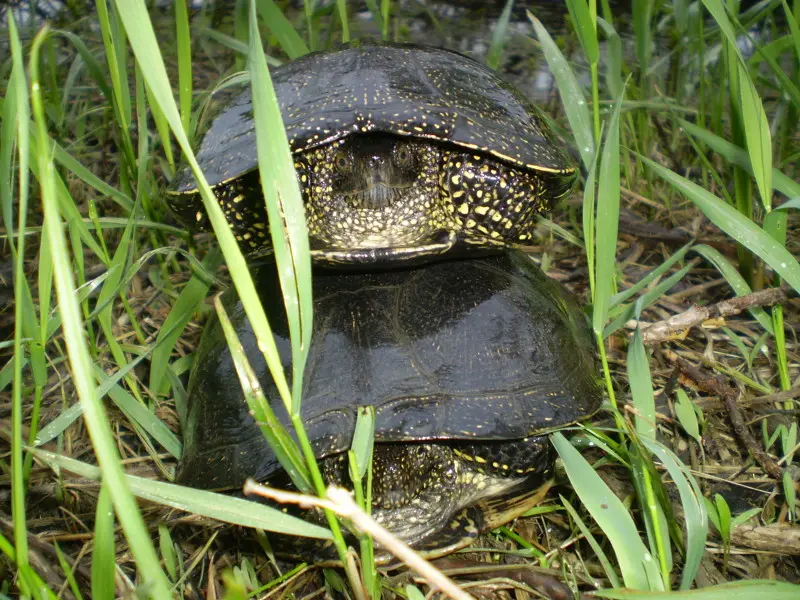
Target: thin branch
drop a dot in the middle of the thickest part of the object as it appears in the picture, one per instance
(730, 396)
(678, 326)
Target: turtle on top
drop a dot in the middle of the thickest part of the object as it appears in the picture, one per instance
(402, 153)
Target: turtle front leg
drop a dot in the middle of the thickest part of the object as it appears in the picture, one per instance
(490, 201)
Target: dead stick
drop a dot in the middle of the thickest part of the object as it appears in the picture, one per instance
(714, 385)
(678, 326)
(781, 396)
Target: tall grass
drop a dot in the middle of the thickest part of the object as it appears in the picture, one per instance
(601, 215)
(613, 135)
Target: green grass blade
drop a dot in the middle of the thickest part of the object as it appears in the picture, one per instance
(639, 570)
(145, 48)
(162, 127)
(757, 134)
(167, 548)
(103, 555)
(607, 222)
(120, 96)
(608, 568)
(341, 10)
(613, 61)
(110, 289)
(584, 26)
(286, 451)
(208, 504)
(756, 126)
(652, 295)
(179, 316)
(139, 414)
(58, 425)
(794, 203)
(559, 231)
(499, 36)
(578, 115)
(287, 219)
(18, 124)
(27, 577)
(92, 65)
(649, 489)
(287, 225)
(793, 28)
(642, 14)
(184, 43)
(768, 55)
(770, 51)
(739, 157)
(65, 159)
(734, 224)
(641, 387)
(66, 204)
(289, 40)
(375, 10)
(386, 9)
(364, 439)
(737, 590)
(360, 459)
(228, 42)
(685, 412)
(617, 300)
(68, 572)
(776, 225)
(681, 15)
(96, 421)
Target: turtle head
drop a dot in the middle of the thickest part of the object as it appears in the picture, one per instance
(372, 198)
(376, 170)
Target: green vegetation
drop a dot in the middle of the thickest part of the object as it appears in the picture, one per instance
(699, 134)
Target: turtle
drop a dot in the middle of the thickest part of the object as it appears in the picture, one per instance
(402, 152)
(467, 363)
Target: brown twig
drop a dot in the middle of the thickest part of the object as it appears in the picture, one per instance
(678, 326)
(718, 387)
(781, 396)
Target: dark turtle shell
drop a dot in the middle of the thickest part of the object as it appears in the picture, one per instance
(400, 89)
(467, 365)
(402, 153)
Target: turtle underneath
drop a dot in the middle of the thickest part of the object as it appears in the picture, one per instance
(468, 364)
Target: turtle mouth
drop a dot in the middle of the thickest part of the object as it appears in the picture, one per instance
(376, 196)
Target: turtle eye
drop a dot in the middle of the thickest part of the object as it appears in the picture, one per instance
(342, 162)
(403, 156)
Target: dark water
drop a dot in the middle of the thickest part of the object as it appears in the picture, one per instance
(466, 26)
(463, 25)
